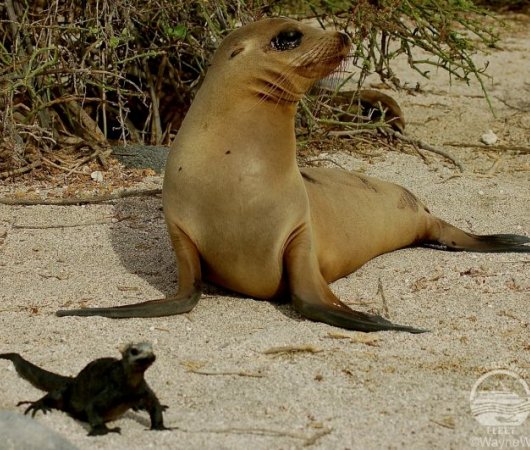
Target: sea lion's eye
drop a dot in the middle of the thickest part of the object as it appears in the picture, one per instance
(286, 40)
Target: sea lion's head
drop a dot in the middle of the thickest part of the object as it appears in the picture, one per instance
(278, 59)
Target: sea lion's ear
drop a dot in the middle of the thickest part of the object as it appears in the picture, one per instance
(236, 52)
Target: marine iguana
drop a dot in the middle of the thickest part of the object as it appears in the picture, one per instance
(104, 390)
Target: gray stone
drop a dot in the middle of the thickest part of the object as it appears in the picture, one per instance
(18, 432)
(137, 156)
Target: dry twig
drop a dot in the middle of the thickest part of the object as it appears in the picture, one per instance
(81, 200)
(427, 147)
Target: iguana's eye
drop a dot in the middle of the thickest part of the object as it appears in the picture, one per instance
(134, 352)
(286, 40)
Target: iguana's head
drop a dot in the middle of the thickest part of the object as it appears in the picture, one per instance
(138, 356)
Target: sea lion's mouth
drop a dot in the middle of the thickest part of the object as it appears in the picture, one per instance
(317, 70)
(337, 60)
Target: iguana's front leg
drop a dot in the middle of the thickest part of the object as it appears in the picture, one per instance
(52, 400)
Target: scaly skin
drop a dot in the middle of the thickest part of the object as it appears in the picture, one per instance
(101, 392)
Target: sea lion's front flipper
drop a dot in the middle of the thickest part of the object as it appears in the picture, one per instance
(168, 306)
(312, 297)
(186, 298)
(340, 315)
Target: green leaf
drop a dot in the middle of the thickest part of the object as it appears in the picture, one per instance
(178, 32)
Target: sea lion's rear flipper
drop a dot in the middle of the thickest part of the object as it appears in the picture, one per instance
(453, 238)
(312, 297)
(188, 294)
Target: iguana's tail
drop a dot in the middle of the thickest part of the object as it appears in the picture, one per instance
(40, 378)
(454, 238)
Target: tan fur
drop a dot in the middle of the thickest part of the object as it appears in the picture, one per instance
(241, 213)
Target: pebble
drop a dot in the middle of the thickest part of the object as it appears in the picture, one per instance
(20, 432)
(489, 138)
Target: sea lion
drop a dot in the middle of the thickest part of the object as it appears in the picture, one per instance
(240, 211)
(365, 105)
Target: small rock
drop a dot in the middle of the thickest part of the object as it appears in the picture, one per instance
(489, 138)
(97, 176)
(21, 432)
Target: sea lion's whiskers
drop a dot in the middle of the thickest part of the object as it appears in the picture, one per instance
(276, 85)
(313, 54)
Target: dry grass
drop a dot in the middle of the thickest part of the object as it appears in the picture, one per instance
(78, 75)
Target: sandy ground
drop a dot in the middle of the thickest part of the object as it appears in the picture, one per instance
(354, 391)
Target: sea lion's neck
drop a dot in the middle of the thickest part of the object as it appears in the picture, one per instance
(253, 94)
(232, 119)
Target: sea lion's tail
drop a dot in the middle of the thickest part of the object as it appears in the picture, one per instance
(40, 378)
(453, 238)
